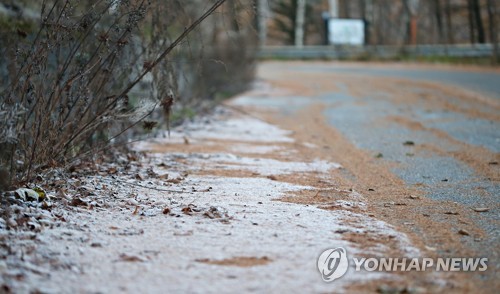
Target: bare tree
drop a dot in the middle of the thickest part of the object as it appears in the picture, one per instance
(299, 23)
(366, 14)
(479, 22)
(449, 26)
(439, 19)
(492, 22)
(345, 11)
(334, 8)
(412, 8)
(472, 23)
(262, 15)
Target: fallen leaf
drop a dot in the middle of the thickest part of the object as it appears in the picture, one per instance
(463, 232)
(187, 210)
(174, 181)
(409, 143)
(131, 157)
(213, 212)
(151, 172)
(131, 258)
(166, 210)
(77, 201)
(481, 209)
(451, 213)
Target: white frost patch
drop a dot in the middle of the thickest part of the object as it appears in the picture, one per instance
(310, 145)
(263, 166)
(291, 235)
(236, 129)
(254, 149)
(240, 129)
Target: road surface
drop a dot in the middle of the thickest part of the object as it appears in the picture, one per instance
(436, 128)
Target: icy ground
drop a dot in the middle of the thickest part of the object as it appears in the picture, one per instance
(170, 222)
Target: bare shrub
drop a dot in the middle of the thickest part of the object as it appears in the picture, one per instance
(86, 73)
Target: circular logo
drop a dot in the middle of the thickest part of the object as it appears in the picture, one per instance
(333, 264)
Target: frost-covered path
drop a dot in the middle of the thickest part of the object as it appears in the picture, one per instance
(203, 212)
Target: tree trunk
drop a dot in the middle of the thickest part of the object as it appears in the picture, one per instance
(262, 13)
(380, 18)
(363, 13)
(492, 22)
(412, 8)
(449, 25)
(299, 23)
(481, 38)
(334, 8)
(472, 26)
(344, 9)
(439, 20)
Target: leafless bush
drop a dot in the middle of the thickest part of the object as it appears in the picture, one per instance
(86, 74)
(216, 61)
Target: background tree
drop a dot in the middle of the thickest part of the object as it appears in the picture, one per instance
(299, 23)
(285, 19)
(493, 25)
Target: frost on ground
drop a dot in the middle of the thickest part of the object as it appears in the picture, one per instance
(155, 224)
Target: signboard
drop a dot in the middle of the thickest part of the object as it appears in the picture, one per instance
(346, 31)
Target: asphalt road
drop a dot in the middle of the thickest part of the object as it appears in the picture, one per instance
(487, 83)
(437, 127)
(443, 177)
